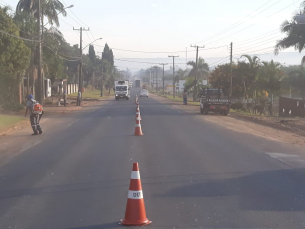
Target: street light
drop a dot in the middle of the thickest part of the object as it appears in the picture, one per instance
(93, 42)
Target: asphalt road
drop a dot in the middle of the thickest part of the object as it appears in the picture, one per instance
(195, 174)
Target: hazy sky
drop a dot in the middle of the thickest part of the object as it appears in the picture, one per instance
(173, 25)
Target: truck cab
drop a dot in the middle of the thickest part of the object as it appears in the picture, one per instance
(122, 89)
(214, 100)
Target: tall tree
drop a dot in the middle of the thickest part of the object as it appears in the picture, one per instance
(92, 53)
(202, 70)
(253, 66)
(295, 34)
(49, 8)
(14, 57)
(270, 76)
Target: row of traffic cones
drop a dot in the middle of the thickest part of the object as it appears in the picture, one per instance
(135, 214)
(138, 128)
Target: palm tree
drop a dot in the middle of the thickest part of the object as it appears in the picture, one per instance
(198, 72)
(254, 66)
(270, 76)
(295, 34)
(49, 9)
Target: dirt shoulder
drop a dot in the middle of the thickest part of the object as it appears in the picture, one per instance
(286, 130)
(50, 111)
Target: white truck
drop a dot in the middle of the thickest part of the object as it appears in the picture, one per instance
(122, 89)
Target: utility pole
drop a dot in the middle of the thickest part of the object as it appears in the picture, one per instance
(80, 77)
(195, 85)
(39, 78)
(185, 57)
(156, 67)
(174, 86)
(163, 76)
(231, 57)
(102, 82)
(153, 77)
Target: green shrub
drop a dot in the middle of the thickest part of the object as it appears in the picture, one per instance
(13, 106)
(237, 106)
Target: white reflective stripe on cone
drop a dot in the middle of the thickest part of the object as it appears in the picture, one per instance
(135, 175)
(137, 113)
(138, 125)
(135, 194)
(138, 118)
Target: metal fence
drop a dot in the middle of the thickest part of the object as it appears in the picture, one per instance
(291, 107)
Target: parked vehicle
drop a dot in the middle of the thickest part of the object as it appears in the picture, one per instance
(214, 100)
(144, 93)
(122, 89)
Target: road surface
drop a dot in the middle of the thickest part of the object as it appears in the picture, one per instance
(195, 174)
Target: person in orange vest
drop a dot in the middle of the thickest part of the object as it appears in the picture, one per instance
(34, 118)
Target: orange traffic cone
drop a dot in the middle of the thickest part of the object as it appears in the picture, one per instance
(138, 115)
(138, 129)
(135, 214)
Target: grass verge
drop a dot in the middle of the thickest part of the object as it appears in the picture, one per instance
(92, 94)
(7, 121)
(176, 98)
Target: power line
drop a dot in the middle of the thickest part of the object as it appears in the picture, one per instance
(62, 56)
(237, 23)
(79, 20)
(254, 39)
(264, 41)
(141, 61)
(226, 61)
(251, 25)
(128, 50)
(75, 15)
(260, 44)
(247, 50)
(218, 61)
(18, 37)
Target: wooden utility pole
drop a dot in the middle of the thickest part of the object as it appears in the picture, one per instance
(39, 77)
(153, 77)
(231, 57)
(163, 76)
(80, 77)
(195, 85)
(102, 82)
(174, 86)
(156, 67)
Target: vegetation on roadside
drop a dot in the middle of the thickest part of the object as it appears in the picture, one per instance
(93, 94)
(7, 121)
(19, 51)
